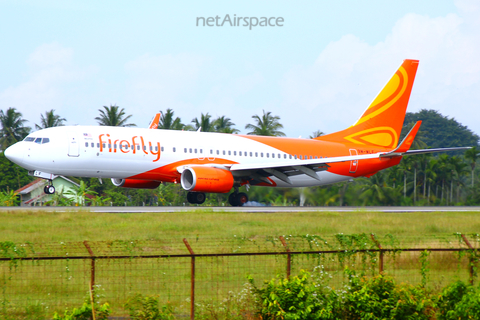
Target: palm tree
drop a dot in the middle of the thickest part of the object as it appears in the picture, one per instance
(223, 124)
(167, 121)
(113, 117)
(13, 129)
(267, 125)
(316, 134)
(204, 124)
(472, 155)
(50, 120)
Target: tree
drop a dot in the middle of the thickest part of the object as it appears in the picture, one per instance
(267, 125)
(113, 116)
(224, 125)
(50, 120)
(79, 194)
(13, 128)
(440, 131)
(204, 123)
(13, 176)
(316, 134)
(167, 121)
(472, 155)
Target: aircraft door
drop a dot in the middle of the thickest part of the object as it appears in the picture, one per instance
(73, 145)
(354, 163)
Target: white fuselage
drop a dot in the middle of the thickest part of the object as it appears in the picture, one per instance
(120, 153)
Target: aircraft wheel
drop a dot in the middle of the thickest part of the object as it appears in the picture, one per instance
(191, 198)
(242, 198)
(51, 189)
(199, 197)
(232, 199)
(196, 197)
(45, 189)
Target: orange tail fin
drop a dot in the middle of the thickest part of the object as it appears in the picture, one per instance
(381, 124)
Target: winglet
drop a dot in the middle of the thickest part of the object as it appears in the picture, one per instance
(406, 142)
(154, 123)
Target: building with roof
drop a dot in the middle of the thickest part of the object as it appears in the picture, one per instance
(33, 193)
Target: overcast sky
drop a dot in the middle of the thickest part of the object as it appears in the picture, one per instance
(318, 71)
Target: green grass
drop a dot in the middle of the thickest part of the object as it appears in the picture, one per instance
(78, 226)
(62, 283)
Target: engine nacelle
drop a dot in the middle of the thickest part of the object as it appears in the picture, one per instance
(207, 179)
(135, 183)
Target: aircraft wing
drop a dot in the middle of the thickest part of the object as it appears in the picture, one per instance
(154, 123)
(284, 169)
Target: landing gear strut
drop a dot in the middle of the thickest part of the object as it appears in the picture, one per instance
(49, 189)
(237, 199)
(196, 197)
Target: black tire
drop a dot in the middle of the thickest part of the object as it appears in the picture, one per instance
(241, 198)
(45, 190)
(232, 199)
(51, 189)
(191, 198)
(199, 197)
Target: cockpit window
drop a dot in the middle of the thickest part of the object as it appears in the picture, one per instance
(37, 140)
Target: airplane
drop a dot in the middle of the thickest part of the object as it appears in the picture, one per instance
(205, 162)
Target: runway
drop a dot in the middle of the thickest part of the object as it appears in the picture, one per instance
(241, 209)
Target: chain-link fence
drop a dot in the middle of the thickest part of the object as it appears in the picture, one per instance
(192, 272)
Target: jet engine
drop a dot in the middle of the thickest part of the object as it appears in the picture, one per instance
(135, 183)
(207, 179)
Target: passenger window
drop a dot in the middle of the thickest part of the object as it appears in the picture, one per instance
(223, 152)
(138, 147)
(211, 151)
(86, 144)
(240, 153)
(201, 151)
(285, 156)
(300, 157)
(295, 157)
(229, 152)
(256, 154)
(174, 149)
(251, 154)
(195, 150)
(218, 152)
(273, 155)
(115, 146)
(279, 156)
(234, 153)
(316, 157)
(185, 150)
(261, 154)
(103, 145)
(268, 155)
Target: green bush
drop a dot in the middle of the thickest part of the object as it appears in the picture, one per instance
(85, 313)
(365, 298)
(294, 298)
(147, 308)
(380, 297)
(459, 301)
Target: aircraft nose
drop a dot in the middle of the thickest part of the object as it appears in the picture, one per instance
(14, 153)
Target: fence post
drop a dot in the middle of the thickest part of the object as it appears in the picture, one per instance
(289, 257)
(192, 286)
(470, 259)
(380, 253)
(92, 267)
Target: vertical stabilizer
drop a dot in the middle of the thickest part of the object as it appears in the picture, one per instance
(381, 124)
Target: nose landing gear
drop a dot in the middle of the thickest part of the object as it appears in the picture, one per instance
(49, 189)
(237, 199)
(196, 197)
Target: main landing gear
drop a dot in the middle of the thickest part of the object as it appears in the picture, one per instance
(49, 188)
(237, 199)
(196, 197)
